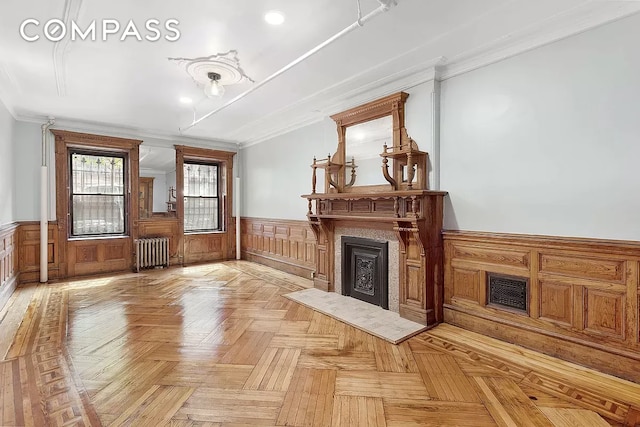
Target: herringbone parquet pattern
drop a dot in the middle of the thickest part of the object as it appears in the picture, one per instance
(218, 345)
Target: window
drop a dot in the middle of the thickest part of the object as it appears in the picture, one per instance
(97, 196)
(201, 197)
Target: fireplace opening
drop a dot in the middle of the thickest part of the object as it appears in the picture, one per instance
(365, 266)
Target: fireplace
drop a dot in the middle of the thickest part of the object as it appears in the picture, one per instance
(365, 265)
(409, 221)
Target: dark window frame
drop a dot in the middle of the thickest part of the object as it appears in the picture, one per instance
(125, 186)
(218, 195)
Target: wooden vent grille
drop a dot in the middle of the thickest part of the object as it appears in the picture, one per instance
(508, 292)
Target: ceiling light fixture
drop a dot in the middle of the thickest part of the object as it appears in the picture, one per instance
(186, 100)
(274, 17)
(385, 5)
(213, 88)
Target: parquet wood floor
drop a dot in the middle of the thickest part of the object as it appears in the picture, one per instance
(218, 345)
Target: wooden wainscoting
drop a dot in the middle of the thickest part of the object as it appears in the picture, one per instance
(9, 272)
(95, 256)
(205, 247)
(29, 251)
(583, 295)
(163, 227)
(287, 245)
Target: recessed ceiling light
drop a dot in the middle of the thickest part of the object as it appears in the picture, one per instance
(185, 100)
(274, 17)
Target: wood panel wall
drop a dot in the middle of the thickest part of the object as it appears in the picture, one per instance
(29, 251)
(94, 256)
(8, 262)
(287, 245)
(583, 295)
(109, 255)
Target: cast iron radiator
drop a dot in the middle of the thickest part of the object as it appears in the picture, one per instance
(153, 252)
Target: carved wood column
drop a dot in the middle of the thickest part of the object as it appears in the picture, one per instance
(323, 276)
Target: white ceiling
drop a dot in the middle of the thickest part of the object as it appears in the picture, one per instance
(131, 84)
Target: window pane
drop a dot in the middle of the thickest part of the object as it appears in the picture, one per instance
(98, 215)
(97, 174)
(200, 180)
(200, 214)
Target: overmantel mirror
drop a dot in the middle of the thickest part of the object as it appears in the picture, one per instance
(374, 151)
(157, 186)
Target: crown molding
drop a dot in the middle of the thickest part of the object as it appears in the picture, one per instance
(129, 132)
(390, 84)
(7, 106)
(7, 80)
(70, 13)
(554, 29)
(298, 124)
(352, 91)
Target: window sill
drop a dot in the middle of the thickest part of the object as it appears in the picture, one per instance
(193, 233)
(98, 237)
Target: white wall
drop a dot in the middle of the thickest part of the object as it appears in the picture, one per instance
(275, 173)
(7, 194)
(27, 160)
(548, 142)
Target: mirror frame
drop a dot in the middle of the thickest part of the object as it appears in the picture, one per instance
(392, 105)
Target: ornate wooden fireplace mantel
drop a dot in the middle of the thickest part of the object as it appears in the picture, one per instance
(402, 203)
(416, 218)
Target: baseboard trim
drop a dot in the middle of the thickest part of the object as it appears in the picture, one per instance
(287, 267)
(608, 360)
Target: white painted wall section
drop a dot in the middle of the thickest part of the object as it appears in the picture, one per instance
(26, 155)
(547, 142)
(277, 172)
(7, 193)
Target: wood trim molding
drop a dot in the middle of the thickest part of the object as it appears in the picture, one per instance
(621, 247)
(197, 153)
(87, 139)
(9, 272)
(90, 256)
(7, 228)
(584, 293)
(204, 247)
(287, 245)
(373, 110)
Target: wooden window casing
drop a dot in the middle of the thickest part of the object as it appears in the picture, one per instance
(93, 254)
